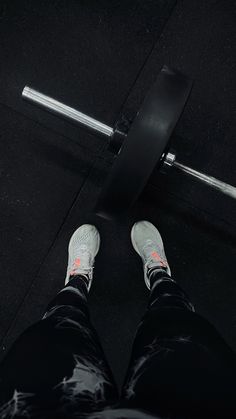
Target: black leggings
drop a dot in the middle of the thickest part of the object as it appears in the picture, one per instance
(180, 367)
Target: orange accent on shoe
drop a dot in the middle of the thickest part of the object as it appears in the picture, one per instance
(73, 272)
(156, 256)
(76, 265)
(77, 262)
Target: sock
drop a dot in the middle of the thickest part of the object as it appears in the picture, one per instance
(161, 271)
(84, 277)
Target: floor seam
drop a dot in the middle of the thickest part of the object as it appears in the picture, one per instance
(50, 129)
(46, 256)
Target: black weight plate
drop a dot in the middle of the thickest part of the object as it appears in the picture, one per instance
(146, 142)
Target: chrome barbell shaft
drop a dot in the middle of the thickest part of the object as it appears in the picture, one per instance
(209, 180)
(65, 111)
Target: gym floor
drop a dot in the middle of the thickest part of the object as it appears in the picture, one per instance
(101, 57)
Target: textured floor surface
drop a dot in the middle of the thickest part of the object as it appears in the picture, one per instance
(90, 56)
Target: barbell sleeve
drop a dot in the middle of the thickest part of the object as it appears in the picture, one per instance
(67, 112)
(209, 180)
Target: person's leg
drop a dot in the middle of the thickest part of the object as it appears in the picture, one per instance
(180, 366)
(57, 367)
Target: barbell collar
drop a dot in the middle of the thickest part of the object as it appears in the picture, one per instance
(58, 108)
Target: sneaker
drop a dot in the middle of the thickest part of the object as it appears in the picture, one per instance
(148, 243)
(83, 247)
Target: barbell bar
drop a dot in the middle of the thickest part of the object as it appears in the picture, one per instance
(100, 128)
(170, 160)
(66, 112)
(157, 117)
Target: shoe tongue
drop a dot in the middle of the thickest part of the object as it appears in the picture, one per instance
(148, 248)
(86, 257)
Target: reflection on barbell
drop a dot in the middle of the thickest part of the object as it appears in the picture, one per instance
(209, 180)
(66, 112)
(100, 128)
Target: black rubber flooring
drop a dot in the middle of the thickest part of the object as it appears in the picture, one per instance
(90, 56)
(41, 175)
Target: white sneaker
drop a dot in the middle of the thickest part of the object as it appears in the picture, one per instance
(148, 243)
(83, 247)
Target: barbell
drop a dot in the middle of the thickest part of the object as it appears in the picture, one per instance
(139, 146)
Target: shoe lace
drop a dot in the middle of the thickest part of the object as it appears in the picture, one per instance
(152, 253)
(86, 257)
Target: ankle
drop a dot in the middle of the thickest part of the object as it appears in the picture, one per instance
(81, 277)
(155, 269)
(157, 274)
